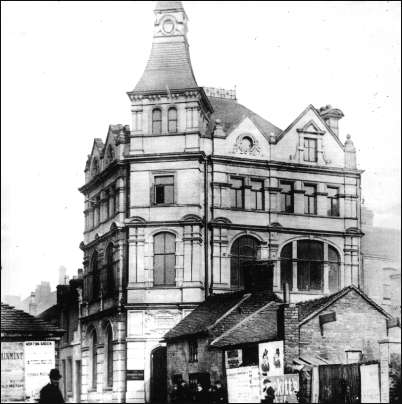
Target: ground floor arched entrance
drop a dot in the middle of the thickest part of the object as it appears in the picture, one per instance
(158, 375)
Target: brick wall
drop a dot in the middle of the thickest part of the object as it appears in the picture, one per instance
(358, 326)
(291, 333)
(209, 361)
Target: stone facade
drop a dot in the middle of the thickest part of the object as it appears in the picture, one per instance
(175, 203)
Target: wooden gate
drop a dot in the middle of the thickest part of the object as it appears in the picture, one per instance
(339, 383)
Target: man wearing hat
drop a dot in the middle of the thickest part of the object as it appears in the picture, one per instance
(51, 394)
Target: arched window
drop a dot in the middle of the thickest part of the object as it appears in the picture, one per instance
(334, 263)
(156, 121)
(109, 154)
(109, 356)
(95, 276)
(95, 167)
(93, 359)
(243, 249)
(308, 256)
(172, 120)
(110, 270)
(164, 259)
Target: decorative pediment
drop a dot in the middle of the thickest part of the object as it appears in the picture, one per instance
(221, 220)
(311, 127)
(136, 220)
(191, 218)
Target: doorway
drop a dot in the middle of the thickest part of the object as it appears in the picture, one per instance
(158, 375)
(78, 381)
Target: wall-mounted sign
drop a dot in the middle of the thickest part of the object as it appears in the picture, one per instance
(12, 371)
(270, 358)
(243, 384)
(285, 388)
(233, 358)
(39, 359)
(135, 374)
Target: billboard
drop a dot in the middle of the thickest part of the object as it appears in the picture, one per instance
(12, 371)
(285, 387)
(270, 358)
(243, 384)
(39, 359)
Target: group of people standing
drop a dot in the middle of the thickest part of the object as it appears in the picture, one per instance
(182, 393)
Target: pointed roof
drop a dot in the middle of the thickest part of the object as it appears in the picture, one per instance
(168, 5)
(169, 64)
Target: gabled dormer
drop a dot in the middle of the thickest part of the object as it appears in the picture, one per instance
(313, 139)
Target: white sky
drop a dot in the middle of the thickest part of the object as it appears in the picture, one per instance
(66, 68)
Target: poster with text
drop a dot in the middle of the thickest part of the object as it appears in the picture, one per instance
(285, 387)
(39, 359)
(243, 384)
(12, 371)
(233, 358)
(370, 383)
(270, 358)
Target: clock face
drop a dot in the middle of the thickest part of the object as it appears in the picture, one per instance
(168, 26)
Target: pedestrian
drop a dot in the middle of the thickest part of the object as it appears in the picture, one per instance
(183, 393)
(218, 394)
(174, 394)
(200, 395)
(51, 394)
(269, 392)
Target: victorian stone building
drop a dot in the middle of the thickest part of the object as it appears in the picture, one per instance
(179, 199)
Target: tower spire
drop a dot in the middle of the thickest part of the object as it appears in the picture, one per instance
(169, 64)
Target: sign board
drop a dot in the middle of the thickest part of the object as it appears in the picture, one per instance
(285, 387)
(243, 384)
(135, 374)
(39, 359)
(233, 358)
(370, 383)
(12, 371)
(270, 358)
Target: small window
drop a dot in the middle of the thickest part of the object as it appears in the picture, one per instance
(257, 194)
(286, 197)
(94, 356)
(69, 375)
(164, 188)
(109, 356)
(333, 204)
(237, 193)
(310, 150)
(310, 205)
(250, 355)
(157, 121)
(193, 351)
(172, 120)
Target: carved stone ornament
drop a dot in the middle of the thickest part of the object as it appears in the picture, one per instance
(246, 144)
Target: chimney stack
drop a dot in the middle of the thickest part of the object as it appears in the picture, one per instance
(331, 117)
(32, 304)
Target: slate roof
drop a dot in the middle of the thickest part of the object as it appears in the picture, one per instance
(259, 326)
(231, 113)
(19, 323)
(219, 313)
(309, 307)
(169, 5)
(169, 65)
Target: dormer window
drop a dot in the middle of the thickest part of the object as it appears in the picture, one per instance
(310, 150)
(109, 154)
(156, 121)
(172, 120)
(95, 167)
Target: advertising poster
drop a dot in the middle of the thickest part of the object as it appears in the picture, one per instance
(233, 358)
(39, 359)
(243, 384)
(270, 358)
(12, 371)
(370, 383)
(285, 387)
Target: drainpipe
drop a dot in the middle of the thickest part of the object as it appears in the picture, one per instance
(206, 226)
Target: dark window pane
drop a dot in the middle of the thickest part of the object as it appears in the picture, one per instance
(168, 193)
(159, 269)
(159, 194)
(170, 272)
(170, 244)
(302, 275)
(316, 275)
(159, 243)
(333, 277)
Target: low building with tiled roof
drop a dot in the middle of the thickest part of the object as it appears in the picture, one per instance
(19, 325)
(339, 328)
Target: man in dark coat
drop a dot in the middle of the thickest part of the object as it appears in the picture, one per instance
(51, 394)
